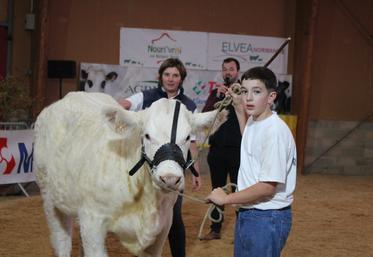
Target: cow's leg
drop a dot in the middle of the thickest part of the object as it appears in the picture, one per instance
(155, 250)
(60, 226)
(81, 250)
(93, 234)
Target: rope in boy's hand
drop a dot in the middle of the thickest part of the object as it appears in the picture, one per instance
(213, 207)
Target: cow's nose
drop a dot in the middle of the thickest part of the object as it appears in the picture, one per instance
(171, 180)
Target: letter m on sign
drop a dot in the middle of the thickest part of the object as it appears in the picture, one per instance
(25, 159)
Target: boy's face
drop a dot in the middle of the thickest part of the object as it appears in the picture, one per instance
(256, 98)
(171, 80)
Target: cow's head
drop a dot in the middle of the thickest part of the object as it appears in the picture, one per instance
(166, 154)
(96, 80)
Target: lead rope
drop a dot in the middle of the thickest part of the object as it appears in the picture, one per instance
(236, 88)
(212, 207)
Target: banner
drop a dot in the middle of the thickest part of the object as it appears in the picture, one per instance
(16, 156)
(130, 80)
(150, 47)
(198, 84)
(250, 51)
(199, 50)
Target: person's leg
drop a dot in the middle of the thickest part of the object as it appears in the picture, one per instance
(176, 236)
(234, 164)
(237, 248)
(262, 233)
(218, 174)
(282, 228)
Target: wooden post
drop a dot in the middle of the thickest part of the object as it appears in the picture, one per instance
(303, 116)
(40, 63)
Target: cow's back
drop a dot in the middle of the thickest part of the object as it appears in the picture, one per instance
(73, 159)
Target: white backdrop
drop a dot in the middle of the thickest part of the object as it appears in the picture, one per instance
(197, 85)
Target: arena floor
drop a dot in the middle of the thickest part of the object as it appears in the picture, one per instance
(332, 217)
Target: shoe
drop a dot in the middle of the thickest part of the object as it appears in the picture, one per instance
(211, 236)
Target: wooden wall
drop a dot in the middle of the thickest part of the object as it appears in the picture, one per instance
(88, 31)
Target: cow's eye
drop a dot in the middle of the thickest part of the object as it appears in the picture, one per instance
(103, 83)
(147, 136)
(187, 138)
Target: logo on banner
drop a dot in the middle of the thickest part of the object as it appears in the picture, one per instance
(140, 86)
(164, 47)
(8, 162)
(244, 52)
(204, 88)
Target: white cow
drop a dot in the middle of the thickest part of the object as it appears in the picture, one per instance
(85, 145)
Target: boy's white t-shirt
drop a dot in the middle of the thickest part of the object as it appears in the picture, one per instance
(268, 154)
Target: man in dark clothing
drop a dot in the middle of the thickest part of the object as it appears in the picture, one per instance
(224, 153)
(171, 76)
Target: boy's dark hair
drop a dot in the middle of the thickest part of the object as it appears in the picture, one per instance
(263, 74)
(170, 63)
(230, 59)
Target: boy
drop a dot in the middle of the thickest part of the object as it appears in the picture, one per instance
(267, 174)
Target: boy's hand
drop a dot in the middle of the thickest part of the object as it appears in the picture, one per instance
(217, 196)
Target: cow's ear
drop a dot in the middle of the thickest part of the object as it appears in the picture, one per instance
(83, 74)
(205, 120)
(111, 76)
(120, 121)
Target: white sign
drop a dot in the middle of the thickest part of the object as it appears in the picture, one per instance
(16, 156)
(150, 47)
(130, 80)
(250, 51)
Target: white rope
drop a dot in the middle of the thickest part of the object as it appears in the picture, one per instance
(208, 214)
(211, 209)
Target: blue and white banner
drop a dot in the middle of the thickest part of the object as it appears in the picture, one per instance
(16, 156)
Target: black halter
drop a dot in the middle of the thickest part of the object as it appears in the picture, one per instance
(168, 151)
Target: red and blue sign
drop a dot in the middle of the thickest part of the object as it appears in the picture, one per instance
(16, 156)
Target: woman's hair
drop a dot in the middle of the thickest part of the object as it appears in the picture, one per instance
(170, 63)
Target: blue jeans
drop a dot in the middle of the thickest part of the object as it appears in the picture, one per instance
(261, 233)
